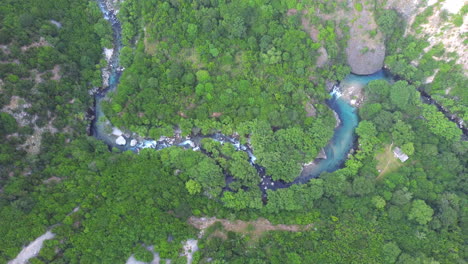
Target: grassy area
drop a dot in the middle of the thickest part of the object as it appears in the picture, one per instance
(387, 162)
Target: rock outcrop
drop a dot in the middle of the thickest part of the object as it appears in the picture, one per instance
(322, 154)
(121, 141)
(365, 52)
(368, 62)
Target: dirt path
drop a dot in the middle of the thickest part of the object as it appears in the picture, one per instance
(190, 247)
(32, 250)
(256, 227)
(386, 165)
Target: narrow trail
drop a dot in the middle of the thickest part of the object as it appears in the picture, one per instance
(255, 228)
(386, 165)
(32, 250)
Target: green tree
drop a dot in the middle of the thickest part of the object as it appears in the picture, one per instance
(363, 186)
(420, 212)
(126, 56)
(334, 183)
(379, 202)
(8, 124)
(391, 251)
(387, 20)
(193, 187)
(203, 76)
(403, 95)
(439, 125)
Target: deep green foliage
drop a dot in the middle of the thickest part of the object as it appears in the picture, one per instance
(236, 67)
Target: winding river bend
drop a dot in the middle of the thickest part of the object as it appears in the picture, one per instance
(336, 151)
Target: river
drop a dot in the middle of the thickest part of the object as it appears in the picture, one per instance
(336, 151)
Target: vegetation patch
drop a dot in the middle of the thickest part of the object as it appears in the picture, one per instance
(254, 228)
(387, 162)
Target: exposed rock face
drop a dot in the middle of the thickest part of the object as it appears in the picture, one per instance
(310, 109)
(365, 52)
(121, 141)
(406, 8)
(322, 154)
(365, 63)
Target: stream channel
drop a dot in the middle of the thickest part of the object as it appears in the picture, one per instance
(336, 151)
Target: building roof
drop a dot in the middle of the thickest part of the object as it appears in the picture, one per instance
(399, 154)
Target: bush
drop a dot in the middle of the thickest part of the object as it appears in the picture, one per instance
(358, 7)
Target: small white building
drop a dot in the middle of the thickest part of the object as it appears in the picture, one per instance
(399, 154)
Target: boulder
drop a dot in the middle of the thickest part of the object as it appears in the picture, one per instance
(116, 132)
(121, 141)
(133, 142)
(365, 53)
(365, 63)
(322, 154)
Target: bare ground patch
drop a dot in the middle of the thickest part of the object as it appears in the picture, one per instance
(254, 228)
(150, 45)
(387, 162)
(41, 43)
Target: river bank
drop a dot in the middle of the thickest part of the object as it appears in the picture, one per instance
(426, 98)
(345, 99)
(101, 128)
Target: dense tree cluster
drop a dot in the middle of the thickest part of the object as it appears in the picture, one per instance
(239, 67)
(224, 66)
(49, 60)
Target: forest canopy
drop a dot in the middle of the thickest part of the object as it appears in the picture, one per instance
(259, 71)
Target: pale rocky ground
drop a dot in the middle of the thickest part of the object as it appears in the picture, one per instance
(436, 30)
(445, 32)
(258, 226)
(156, 258)
(16, 108)
(32, 250)
(42, 42)
(190, 247)
(313, 33)
(365, 53)
(353, 92)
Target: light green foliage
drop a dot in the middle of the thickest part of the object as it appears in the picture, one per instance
(420, 212)
(457, 20)
(193, 187)
(142, 254)
(126, 56)
(408, 148)
(387, 21)
(249, 61)
(379, 202)
(334, 183)
(242, 199)
(438, 124)
(402, 133)
(294, 198)
(358, 7)
(283, 151)
(203, 76)
(377, 90)
(367, 137)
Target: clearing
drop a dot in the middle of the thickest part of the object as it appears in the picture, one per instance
(387, 161)
(254, 228)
